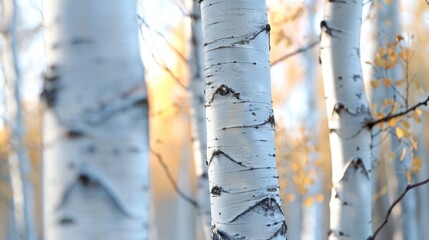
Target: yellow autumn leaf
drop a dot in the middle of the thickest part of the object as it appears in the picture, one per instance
(386, 82)
(388, 102)
(380, 193)
(392, 122)
(414, 144)
(382, 51)
(391, 155)
(405, 54)
(406, 124)
(373, 107)
(396, 107)
(400, 133)
(308, 202)
(319, 197)
(408, 175)
(375, 83)
(289, 197)
(404, 151)
(378, 115)
(417, 119)
(416, 164)
(399, 37)
(307, 180)
(418, 112)
(399, 82)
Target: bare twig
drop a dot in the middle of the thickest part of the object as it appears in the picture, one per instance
(172, 181)
(389, 211)
(299, 50)
(387, 118)
(164, 66)
(171, 45)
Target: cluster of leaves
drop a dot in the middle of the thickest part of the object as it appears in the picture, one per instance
(297, 173)
(396, 56)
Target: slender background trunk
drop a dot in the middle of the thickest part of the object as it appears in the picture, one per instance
(198, 118)
(20, 165)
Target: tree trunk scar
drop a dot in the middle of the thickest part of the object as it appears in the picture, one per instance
(262, 207)
(224, 90)
(218, 152)
(87, 181)
(269, 120)
(328, 30)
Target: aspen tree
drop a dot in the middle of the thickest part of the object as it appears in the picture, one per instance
(198, 117)
(347, 111)
(95, 122)
(243, 177)
(19, 161)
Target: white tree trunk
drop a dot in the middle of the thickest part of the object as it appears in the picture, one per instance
(347, 110)
(185, 226)
(95, 122)
(245, 201)
(198, 118)
(20, 165)
(313, 215)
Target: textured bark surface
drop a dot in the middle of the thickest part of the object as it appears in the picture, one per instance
(244, 190)
(347, 110)
(95, 122)
(198, 118)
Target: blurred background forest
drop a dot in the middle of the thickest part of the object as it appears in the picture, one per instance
(301, 125)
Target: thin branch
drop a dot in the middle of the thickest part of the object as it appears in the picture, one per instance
(172, 181)
(389, 211)
(387, 118)
(143, 22)
(299, 50)
(164, 66)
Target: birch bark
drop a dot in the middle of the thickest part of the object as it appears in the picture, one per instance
(20, 165)
(198, 118)
(243, 178)
(347, 110)
(313, 215)
(95, 122)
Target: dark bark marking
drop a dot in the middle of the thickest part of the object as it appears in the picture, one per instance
(217, 191)
(218, 234)
(246, 40)
(90, 182)
(224, 90)
(66, 221)
(269, 120)
(356, 77)
(268, 204)
(218, 152)
(73, 134)
(338, 107)
(328, 30)
(50, 89)
(80, 40)
(281, 231)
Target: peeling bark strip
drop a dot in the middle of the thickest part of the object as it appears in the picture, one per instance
(96, 123)
(348, 111)
(242, 170)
